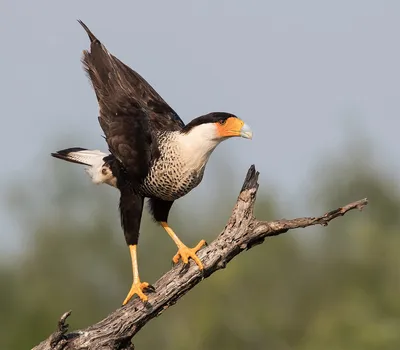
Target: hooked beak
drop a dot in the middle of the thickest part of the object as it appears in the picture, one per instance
(246, 132)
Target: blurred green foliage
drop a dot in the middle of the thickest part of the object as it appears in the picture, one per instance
(320, 288)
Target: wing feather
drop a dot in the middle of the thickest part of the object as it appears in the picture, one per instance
(117, 85)
(130, 109)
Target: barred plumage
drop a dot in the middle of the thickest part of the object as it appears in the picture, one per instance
(153, 153)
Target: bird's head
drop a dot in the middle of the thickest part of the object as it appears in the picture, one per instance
(218, 126)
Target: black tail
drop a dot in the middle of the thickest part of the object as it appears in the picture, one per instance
(69, 154)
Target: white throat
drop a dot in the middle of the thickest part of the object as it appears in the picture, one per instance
(197, 145)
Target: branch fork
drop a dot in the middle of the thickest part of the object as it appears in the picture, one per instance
(242, 232)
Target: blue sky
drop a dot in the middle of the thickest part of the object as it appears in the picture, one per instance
(305, 75)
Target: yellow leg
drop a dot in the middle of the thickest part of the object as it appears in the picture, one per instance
(137, 286)
(184, 252)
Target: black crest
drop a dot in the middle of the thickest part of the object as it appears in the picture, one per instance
(213, 117)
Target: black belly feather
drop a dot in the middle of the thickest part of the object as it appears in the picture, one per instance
(132, 114)
(130, 208)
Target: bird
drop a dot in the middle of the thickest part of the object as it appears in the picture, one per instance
(152, 154)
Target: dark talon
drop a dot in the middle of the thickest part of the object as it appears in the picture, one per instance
(205, 244)
(150, 289)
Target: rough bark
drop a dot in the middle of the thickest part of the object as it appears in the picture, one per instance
(242, 232)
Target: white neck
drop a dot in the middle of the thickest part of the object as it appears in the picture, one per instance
(197, 145)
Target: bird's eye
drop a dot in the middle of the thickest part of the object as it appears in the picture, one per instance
(104, 171)
(222, 121)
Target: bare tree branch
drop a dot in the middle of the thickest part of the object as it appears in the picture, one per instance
(242, 232)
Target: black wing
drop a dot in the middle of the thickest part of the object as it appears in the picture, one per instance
(130, 109)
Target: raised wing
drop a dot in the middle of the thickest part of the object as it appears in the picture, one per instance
(130, 109)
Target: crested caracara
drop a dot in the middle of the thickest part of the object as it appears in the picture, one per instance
(152, 153)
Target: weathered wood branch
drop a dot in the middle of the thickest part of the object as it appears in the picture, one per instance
(242, 232)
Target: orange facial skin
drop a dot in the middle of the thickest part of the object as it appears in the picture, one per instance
(230, 127)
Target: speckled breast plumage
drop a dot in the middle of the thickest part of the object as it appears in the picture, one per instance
(169, 177)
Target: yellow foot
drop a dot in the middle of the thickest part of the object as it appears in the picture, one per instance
(185, 253)
(137, 288)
